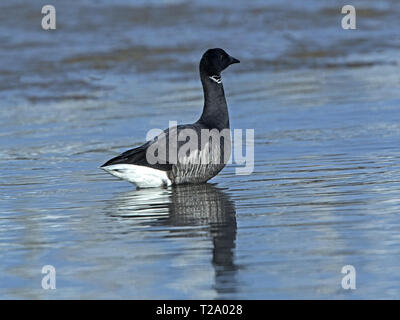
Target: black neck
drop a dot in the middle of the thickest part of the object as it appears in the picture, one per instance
(215, 111)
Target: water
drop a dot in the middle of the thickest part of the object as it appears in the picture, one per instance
(325, 191)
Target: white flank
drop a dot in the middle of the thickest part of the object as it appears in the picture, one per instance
(142, 177)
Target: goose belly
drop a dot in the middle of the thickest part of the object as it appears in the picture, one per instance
(141, 176)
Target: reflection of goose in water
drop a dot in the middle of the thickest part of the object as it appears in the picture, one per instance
(189, 206)
(207, 205)
(141, 203)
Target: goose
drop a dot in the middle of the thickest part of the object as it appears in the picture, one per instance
(169, 159)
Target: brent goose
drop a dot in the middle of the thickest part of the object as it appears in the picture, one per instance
(195, 165)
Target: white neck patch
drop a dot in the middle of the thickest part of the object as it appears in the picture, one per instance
(216, 79)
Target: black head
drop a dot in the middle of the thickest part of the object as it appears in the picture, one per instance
(214, 61)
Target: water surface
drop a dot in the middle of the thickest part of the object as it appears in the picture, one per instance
(325, 191)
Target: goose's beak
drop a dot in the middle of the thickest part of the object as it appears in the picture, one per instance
(233, 60)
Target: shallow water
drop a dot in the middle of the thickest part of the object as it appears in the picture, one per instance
(325, 191)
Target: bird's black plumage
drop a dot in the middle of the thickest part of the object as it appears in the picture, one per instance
(214, 116)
